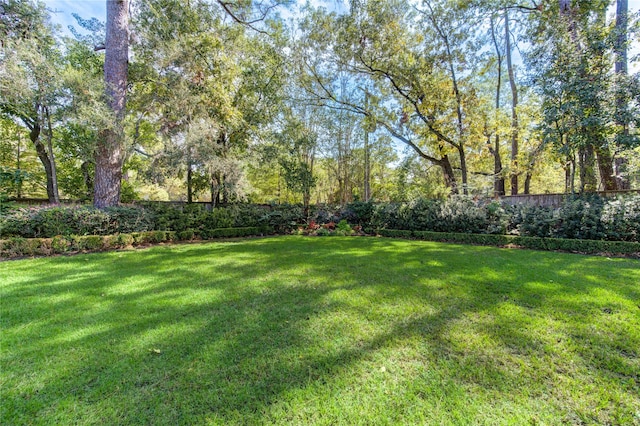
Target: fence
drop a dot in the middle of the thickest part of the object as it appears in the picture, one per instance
(555, 200)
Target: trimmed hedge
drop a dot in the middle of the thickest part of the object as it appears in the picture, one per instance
(536, 243)
(21, 247)
(583, 217)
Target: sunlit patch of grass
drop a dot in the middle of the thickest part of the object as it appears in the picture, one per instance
(295, 330)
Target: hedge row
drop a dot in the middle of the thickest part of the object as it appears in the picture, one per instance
(20, 247)
(536, 243)
(587, 217)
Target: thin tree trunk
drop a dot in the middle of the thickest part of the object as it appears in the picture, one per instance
(498, 178)
(18, 166)
(527, 182)
(367, 159)
(189, 183)
(88, 181)
(52, 159)
(514, 105)
(621, 69)
(110, 150)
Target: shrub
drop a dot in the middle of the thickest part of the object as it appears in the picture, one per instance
(60, 244)
(159, 236)
(359, 212)
(87, 242)
(247, 215)
(535, 221)
(186, 235)
(125, 240)
(579, 218)
(125, 219)
(621, 219)
(284, 218)
(217, 218)
(343, 228)
(323, 232)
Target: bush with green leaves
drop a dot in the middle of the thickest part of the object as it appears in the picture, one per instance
(73, 220)
(621, 219)
(579, 218)
(343, 228)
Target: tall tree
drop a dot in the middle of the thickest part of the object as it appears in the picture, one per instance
(515, 126)
(111, 147)
(621, 70)
(30, 80)
(494, 147)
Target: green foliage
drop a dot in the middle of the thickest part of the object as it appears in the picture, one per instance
(323, 232)
(60, 244)
(128, 193)
(186, 235)
(621, 219)
(50, 221)
(359, 212)
(10, 180)
(533, 221)
(343, 228)
(87, 242)
(285, 218)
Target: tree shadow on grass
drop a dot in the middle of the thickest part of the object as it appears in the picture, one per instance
(230, 333)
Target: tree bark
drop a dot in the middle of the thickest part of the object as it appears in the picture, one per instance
(622, 120)
(588, 182)
(47, 163)
(620, 48)
(514, 105)
(110, 149)
(498, 178)
(367, 156)
(189, 184)
(448, 174)
(605, 167)
(88, 180)
(55, 194)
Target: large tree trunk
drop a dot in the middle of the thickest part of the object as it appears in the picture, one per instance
(605, 167)
(47, 163)
(448, 174)
(110, 150)
(514, 105)
(588, 181)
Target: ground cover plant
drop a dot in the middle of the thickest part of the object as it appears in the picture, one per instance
(298, 330)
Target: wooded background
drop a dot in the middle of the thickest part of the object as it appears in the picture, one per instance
(270, 102)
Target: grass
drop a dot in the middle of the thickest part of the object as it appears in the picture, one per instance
(295, 330)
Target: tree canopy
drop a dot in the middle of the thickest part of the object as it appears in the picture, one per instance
(273, 101)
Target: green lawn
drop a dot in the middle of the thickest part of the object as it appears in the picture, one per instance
(295, 330)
